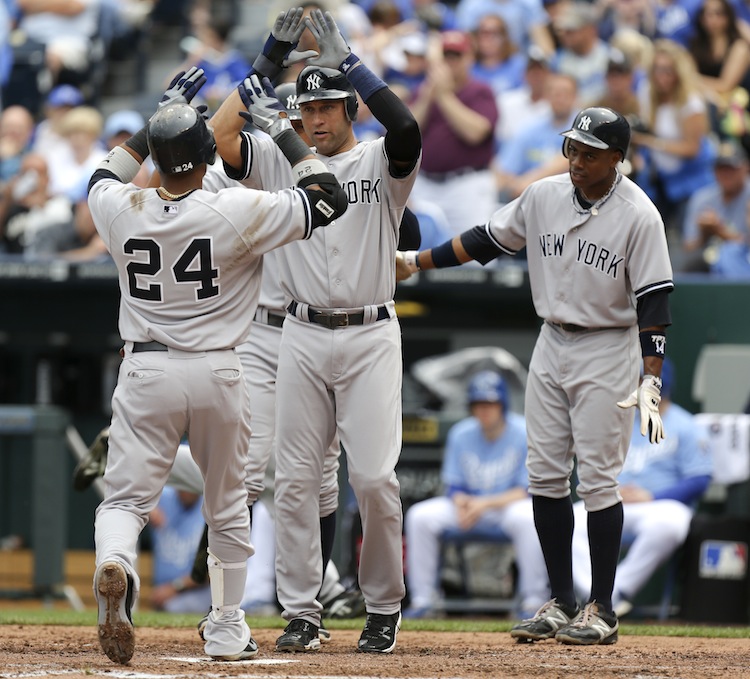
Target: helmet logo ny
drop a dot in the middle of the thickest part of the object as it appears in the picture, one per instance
(584, 124)
(313, 81)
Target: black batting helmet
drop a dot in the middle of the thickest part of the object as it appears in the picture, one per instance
(286, 93)
(601, 128)
(315, 83)
(179, 139)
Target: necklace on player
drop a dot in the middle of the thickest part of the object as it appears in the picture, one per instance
(594, 209)
(173, 196)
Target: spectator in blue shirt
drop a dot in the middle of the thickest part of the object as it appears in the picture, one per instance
(660, 485)
(716, 215)
(485, 481)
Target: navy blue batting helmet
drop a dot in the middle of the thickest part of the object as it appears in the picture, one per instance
(315, 83)
(488, 387)
(179, 139)
(601, 128)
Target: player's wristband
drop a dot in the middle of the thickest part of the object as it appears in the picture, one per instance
(121, 164)
(444, 255)
(139, 142)
(309, 168)
(363, 79)
(653, 343)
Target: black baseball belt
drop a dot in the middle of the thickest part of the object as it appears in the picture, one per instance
(264, 315)
(572, 327)
(149, 346)
(338, 319)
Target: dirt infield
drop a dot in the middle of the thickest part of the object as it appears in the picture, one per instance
(72, 652)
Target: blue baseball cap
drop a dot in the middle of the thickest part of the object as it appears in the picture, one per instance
(65, 95)
(123, 121)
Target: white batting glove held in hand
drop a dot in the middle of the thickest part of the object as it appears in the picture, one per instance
(183, 88)
(647, 397)
(264, 110)
(333, 47)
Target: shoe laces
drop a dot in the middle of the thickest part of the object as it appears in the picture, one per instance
(590, 611)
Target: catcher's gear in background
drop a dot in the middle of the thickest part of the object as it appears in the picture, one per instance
(179, 140)
(601, 128)
(315, 83)
(647, 397)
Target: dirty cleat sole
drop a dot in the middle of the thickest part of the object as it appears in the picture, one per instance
(116, 632)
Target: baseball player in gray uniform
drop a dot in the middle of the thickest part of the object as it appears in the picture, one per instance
(189, 275)
(340, 362)
(600, 276)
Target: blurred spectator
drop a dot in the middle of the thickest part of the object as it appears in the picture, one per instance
(635, 15)
(660, 486)
(675, 158)
(722, 57)
(526, 20)
(33, 221)
(525, 104)
(583, 55)
(69, 165)
(16, 134)
(118, 127)
(717, 213)
(60, 100)
(7, 8)
(733, 261)
(485, 483)
(66, 30)
(457, 115)
(535, 151)
(435, 15)
(176, 527)
(674, 19)
(209, 48)
(433, 225)
(638, 50)
(620, 93)
(497, 60)
(407, 77)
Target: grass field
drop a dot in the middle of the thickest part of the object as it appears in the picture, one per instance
(166, 620)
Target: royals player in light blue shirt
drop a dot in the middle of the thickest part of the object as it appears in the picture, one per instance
(485, 480)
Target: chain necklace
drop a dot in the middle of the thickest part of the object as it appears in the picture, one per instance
(173, 196)
(594, 209)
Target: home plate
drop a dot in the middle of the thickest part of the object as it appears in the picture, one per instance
(249, 661)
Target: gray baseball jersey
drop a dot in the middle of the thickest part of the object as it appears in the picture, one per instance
(260, 356)
(189, 275)
(345, 379)
(587, 268)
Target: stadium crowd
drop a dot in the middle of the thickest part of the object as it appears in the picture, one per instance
(492, 83)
